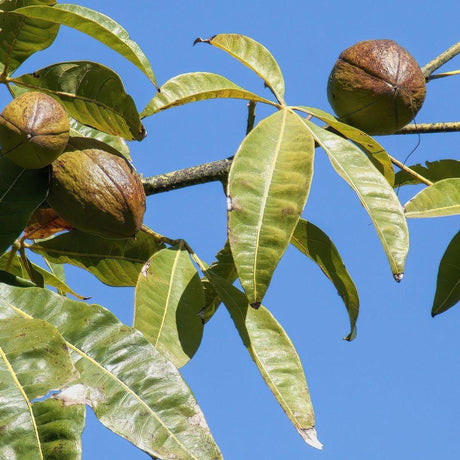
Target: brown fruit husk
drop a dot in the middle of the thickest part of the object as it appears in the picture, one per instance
(376, 86)
(34, 130)
(96, 190)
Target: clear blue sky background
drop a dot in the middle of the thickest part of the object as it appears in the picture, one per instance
(393, 393)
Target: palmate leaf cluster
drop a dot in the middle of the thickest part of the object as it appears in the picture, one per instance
(129, 376)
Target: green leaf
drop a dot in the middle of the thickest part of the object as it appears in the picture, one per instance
(253, 55)
(91, 93)
(275, 356)
(21, 192)
(33, 361)
(96, 25)
(269, 182)
(21, 37)
(124, 374)
(114, 262)
(433, 171)
(168, 301)
(375, 152)
(440, 199)
(196, 86)
(59, 427)
(118, 143)
(315, 244)
(374, 192)
(223, 267)
(448, 283)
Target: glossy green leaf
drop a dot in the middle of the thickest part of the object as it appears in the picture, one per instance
(50, 279)
(124, 374)
(96, 25)
(374, 192)
(168, 301)
(33, 361)
(253, 55)
(21, 192)
(21, 37)
(114, 262)
(315, 244)
(275, 356)
(91, 93)
(448, 283)
(223, 267)
(59, 427)
(196, 86)
(268, 185)
(440, 199)
(432, 170)
(118, 143)
(376, 153)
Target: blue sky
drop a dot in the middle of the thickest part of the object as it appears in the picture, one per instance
(393, 392)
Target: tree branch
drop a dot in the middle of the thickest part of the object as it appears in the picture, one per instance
(426, 128)
(440, 60)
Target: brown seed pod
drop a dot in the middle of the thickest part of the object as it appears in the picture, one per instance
(376, 86)
(96, 190)
(34, 130)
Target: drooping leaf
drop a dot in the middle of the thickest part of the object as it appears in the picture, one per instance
(448, 282)
(96, 25)
(91, 93)
(376, 153)
(33, 361)
(59, 428)
(223, 267)
(275, 356)
(440, 199)
(374, 192)
(21, 192)
(44, 223)
(21, 37)
(315, 244)
(124, 374)
(114, 262)
(196, 86)
(118, 143)
(432, 170)
(268, 185)
(168, 301)
(253, 55)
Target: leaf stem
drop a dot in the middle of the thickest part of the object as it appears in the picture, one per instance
(251, 116)
(427, 128)
(440, 60)
(443, 74)
(410, 171)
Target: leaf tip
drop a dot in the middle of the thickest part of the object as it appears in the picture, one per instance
(203, 40)
(398, 277)
(310, 436)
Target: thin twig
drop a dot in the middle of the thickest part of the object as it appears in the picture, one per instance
(440, 60)
(443, 75)
(426, 128)
(251, 116)
(410, 171)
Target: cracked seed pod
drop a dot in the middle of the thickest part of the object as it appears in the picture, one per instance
(34, 130)
(96, 190)
(376, 86)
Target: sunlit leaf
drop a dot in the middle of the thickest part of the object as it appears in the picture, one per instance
(91, 93)
(374, 192)
(440, 199)
(21, 192)
(196, 86)
(96, 25)
(432, 170)
(168, 301)
(33, 361)
(268, 185)
(59, 427)
(114, 262)
(21, 37)
(448, 283)
(275, 356)
(315, 244)
(253, 55)
(124, 374)
(368, 144)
